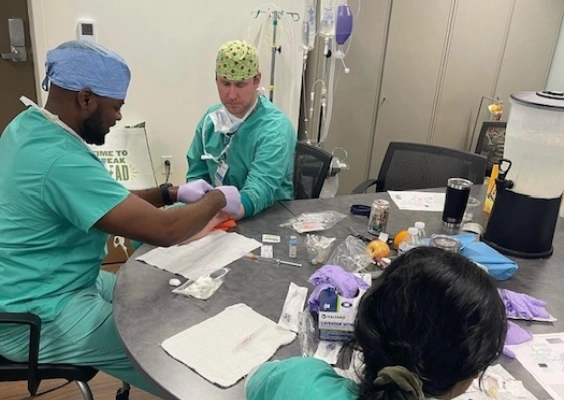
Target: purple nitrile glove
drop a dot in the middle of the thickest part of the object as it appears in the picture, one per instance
(521, 305)
(334, 276)
(193, 191)
(233, 198)
(515, 335)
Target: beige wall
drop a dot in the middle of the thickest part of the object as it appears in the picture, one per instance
(556, 74)
(171, 53)
(170, 47)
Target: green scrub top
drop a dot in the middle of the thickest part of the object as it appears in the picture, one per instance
(299, 378)
(53, 189)
(260, 158)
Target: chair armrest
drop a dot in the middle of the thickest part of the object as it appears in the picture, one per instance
(34, 323)
(364, 186)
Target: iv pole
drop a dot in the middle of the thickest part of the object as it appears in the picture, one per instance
(276, 16)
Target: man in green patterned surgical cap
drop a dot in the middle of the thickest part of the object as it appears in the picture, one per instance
(246, 141)
(237, 65)
(237, 61)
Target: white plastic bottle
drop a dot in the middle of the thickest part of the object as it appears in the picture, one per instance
(411, 241)
(421, 227)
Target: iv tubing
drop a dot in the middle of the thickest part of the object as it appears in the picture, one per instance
(328, 111)
(326, 123)
(288, 30)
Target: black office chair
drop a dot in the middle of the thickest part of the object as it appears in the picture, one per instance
(311, 166)
(33, 372)
(411, 166)
(491, 143)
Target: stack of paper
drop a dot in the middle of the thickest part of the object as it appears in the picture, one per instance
(543, 357)
(203, 256)
(418, 201)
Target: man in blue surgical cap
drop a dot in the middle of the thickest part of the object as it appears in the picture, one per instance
(58, 204)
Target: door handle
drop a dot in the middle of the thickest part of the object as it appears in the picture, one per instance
(18, 52)
(16, 55)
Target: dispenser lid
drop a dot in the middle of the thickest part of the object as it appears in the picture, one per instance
(545, 98)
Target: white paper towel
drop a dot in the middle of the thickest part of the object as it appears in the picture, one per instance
(203, 256)
(225, 348)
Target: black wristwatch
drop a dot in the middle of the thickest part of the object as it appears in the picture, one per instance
(165, 194)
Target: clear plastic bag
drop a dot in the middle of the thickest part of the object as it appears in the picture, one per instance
(318, 248)
(316, 221)
(203, 287)
(351, 255)
(307, 334)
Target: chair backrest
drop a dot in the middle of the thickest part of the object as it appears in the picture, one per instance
(491, 142)
(311, 166)
(410, 166)
(11, 371)
(33, 372)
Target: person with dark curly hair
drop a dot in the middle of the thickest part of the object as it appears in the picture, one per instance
(427, 327)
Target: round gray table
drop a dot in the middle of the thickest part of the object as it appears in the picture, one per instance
(147, 312)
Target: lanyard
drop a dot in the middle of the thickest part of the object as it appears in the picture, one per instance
(53, 118)
(209, 156)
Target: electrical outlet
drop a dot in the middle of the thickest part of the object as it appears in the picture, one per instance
(166, 169)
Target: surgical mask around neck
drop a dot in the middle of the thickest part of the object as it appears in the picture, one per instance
(225, 122)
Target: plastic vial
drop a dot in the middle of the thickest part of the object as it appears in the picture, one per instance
(411, 241)
(421, 227)
(293, 247)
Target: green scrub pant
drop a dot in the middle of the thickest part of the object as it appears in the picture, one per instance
(84, 333)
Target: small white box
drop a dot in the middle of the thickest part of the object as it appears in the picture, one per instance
(337, 315)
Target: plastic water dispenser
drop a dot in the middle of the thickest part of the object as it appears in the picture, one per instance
(531, 181)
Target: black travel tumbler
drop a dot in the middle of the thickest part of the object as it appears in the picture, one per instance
(458, 190)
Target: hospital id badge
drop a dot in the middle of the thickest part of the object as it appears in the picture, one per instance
(220, 173)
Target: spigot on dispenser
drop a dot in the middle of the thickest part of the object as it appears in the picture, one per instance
(501, 183)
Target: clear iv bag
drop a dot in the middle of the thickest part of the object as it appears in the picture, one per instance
(309, 25)
(327, 22)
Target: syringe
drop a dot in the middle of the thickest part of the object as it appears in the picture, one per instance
(273, 260)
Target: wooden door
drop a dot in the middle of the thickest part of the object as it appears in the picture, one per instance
(16, 78)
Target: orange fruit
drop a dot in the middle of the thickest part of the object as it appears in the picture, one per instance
(378, 249)
(400, 236)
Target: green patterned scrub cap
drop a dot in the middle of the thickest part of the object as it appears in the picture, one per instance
(237, 60)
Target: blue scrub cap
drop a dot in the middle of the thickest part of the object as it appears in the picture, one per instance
(80, 64)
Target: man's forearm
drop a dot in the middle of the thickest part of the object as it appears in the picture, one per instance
(154, 195)
(192, 218)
